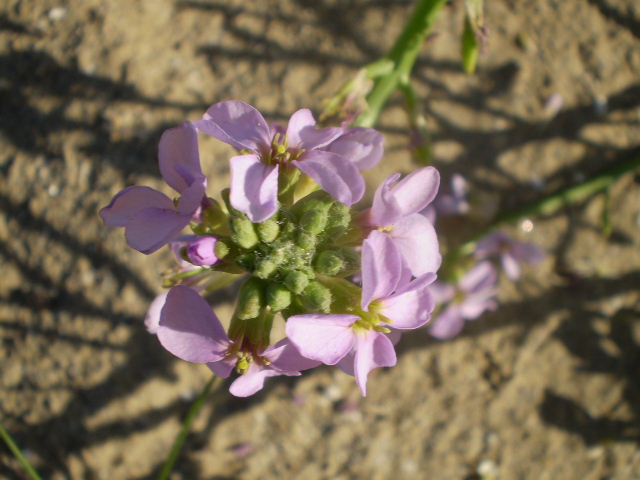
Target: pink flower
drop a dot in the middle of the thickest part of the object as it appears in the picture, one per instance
(254, 175)
(359, 342)
(190, 330)
(150, 218)
(466, 301)
(510, 251)
(395, 211)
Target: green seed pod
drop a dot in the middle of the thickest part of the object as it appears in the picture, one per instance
(242, 232)
(278, 296)
(316, 298)
(314, 221)
(296, 281)
(329, 263)
(251, 299)
(268, 230)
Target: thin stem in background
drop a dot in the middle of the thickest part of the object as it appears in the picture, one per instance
(18, 454)
(184, 431)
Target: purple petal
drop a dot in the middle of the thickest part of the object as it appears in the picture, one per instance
(481, 277)
(417, 240)
(253, 381)
(178, 146)
(459, 186)
(381, 267)
(285, 357)
(303, 133)
(190, 329)
(417, 190)
(176, 245)
(254, 187)
(193, 196)
(527, 252)
(447, 324)
(348, 363)
(152, 320)
(472, 307)
(362, 146)
(510, 266)
(374, 350)
(224, 367)
(442, 292)
(410, 306)
(325, 338)
(492, 244)
(237, 124)
(152, 228)
(128, 202)
(385, 209)
(334, 174)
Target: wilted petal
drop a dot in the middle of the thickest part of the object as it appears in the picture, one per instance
(417, 240)
(334, 174)
(303, 133)
(189, 329)
(411, 305)
(325, 338)
(374, 350)
(237, 124)
(363, 147)
(254, 187)
(447, 324)
(381, 267)
(178, 146)
(417, 190)
(128, 202)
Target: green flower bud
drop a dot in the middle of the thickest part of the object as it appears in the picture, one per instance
(265, 268)
(225, 197)
(329, 263)
(305, 240)
(316, 298)
(214, 217)
(278, 296)
(319, 200)
(268, 230)
(314, 221)
(337, 262)
(200, 229)
(251, 299)
(296, 281)
(221, 249)
(242, 232)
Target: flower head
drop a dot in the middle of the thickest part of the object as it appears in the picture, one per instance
(511, 252)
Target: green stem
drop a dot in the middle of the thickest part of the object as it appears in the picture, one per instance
(553, 202)
(182, 436)
(402, 56)
(18, 454)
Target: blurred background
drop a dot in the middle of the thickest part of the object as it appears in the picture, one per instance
(546, 387)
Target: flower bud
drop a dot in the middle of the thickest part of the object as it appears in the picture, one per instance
(268, 230)
(201, 251)
(305, 240)
(314, 221)
(214, 217)
(296, 281)
(319, 200)
(265, 268)
(278, 296)
(251, 299)
(337, 262)
(316, 298)
(242, 232)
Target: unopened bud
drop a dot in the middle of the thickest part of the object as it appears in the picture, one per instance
(296, 281)
(314, 221)
(214, 217)
(201, 251)
(251, 299)
(316, 298)
(278, 296)
(265, 268)
(319, 200)
(268, 230)
(305, 240)
(242, 232)
(337, 262)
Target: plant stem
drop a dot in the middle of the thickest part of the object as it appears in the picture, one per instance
(402, 56)
(18, 454)
(184, 431)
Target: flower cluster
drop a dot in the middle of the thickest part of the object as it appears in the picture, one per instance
(346, 282)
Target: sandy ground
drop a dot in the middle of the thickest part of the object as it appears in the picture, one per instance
(547, 387)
